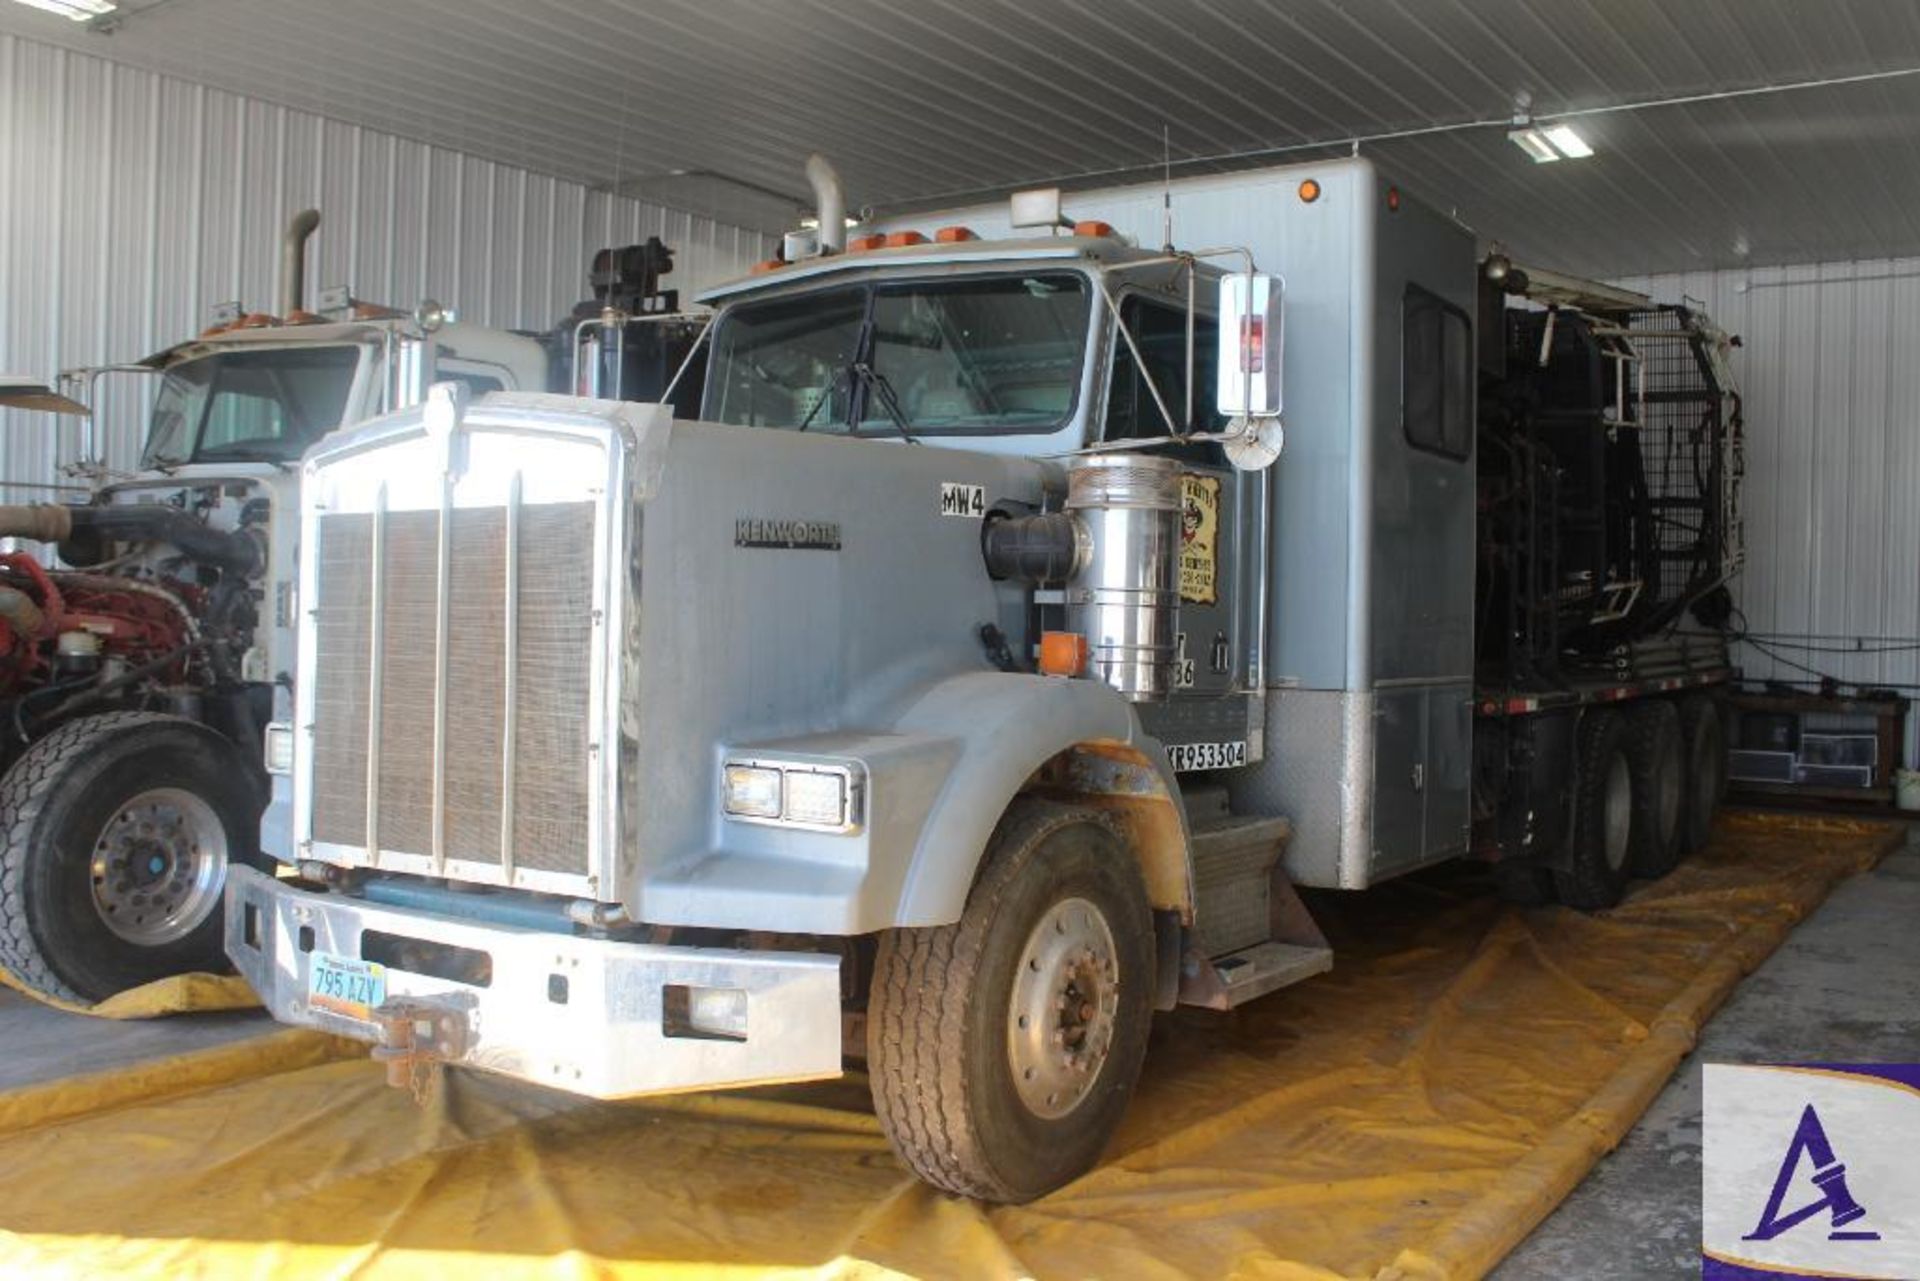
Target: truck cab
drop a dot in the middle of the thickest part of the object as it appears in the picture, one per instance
(142, 666)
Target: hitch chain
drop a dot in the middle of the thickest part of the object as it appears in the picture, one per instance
(416, 1039)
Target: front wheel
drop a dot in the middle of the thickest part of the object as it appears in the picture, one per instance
(116, 832)
(1003, 1048)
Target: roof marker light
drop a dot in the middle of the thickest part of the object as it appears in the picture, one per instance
(904, 239)
(954, 235)
(861, 244)
(1092, 227)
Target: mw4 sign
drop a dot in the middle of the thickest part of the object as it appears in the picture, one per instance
(962, 500)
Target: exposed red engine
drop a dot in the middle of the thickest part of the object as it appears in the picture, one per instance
(134, 621)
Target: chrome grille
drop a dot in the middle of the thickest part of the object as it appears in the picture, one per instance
(519, 626)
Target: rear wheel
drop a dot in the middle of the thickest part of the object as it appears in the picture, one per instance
(1659, 766)
(1003, 1048)
(1704, 739)
(116, 833)
(1596, 869)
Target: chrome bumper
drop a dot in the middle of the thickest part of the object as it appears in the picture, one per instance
(588, 1016)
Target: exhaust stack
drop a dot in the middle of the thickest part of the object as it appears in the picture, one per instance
(829, 203)
(293, 261)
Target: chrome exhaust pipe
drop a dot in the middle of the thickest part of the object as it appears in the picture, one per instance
(829, 203)
(293, 261)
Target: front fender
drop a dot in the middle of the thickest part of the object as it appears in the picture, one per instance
(1008, 725)
(942, 764)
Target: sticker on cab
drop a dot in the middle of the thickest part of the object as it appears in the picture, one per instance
(1199, 539)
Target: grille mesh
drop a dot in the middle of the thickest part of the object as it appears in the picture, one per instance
(551, 770)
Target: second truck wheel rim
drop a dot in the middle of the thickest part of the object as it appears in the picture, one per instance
(1061, 1015)
(158, 866)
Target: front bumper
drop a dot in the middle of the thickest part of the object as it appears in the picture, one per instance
(590, 1016)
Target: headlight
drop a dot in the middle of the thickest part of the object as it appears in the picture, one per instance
(819, 797)
(816, 799)
(753, 791)
(276, 748)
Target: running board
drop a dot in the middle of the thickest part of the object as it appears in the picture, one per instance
(1235, 979)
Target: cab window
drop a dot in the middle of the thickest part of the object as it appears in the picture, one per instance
(1436, 374)
(1159, 330)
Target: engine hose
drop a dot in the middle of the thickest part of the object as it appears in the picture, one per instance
(18, 609)
(235, 552)
(101, 691)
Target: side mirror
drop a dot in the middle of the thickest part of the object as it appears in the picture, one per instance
(18, 392)
(1252, 345)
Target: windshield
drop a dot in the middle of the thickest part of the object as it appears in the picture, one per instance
(960, 355)
(266, 405)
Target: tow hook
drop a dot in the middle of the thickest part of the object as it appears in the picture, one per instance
(416, 1038)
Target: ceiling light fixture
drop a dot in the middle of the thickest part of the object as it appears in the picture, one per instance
(78, 10)
(1544, 145)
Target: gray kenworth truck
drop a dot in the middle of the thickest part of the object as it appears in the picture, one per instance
(966, 684)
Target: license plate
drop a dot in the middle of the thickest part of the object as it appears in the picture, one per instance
(344, 986)
(1185, 757)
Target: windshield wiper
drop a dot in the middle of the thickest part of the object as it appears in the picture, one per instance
(825, 396)
(881, 390)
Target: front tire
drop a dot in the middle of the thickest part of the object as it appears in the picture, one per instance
(116, 832)
(1003, 1048)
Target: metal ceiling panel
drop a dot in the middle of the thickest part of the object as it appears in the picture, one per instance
(711, 105)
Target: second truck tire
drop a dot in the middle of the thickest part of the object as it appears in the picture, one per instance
(1003, 1048)
(115, 836)
(1704, 740)
(1659, 769)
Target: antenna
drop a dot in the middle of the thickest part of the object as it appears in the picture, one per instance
(1166, 191)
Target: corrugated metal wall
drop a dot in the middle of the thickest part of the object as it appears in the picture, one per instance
(131, 203)
(1831, 378)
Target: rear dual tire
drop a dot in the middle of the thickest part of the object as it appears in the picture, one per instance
(1599, 863)
(1647, 780)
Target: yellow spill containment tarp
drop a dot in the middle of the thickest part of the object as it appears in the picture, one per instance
(181, 994)
(1409, 1116)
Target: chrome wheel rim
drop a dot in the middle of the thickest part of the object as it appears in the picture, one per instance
(1060, 1020)
(1619, 811)
(158, 866)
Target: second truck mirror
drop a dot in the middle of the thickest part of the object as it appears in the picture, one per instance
(1251, 346)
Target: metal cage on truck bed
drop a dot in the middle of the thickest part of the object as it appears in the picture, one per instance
(1609, 478)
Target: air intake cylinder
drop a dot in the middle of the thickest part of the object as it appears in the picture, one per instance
(1126, 600)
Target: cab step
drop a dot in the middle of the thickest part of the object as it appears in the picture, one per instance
(1251, 933)
(1229, 981)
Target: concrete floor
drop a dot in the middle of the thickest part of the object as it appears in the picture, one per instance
(43, 1044)
(1843, 988)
